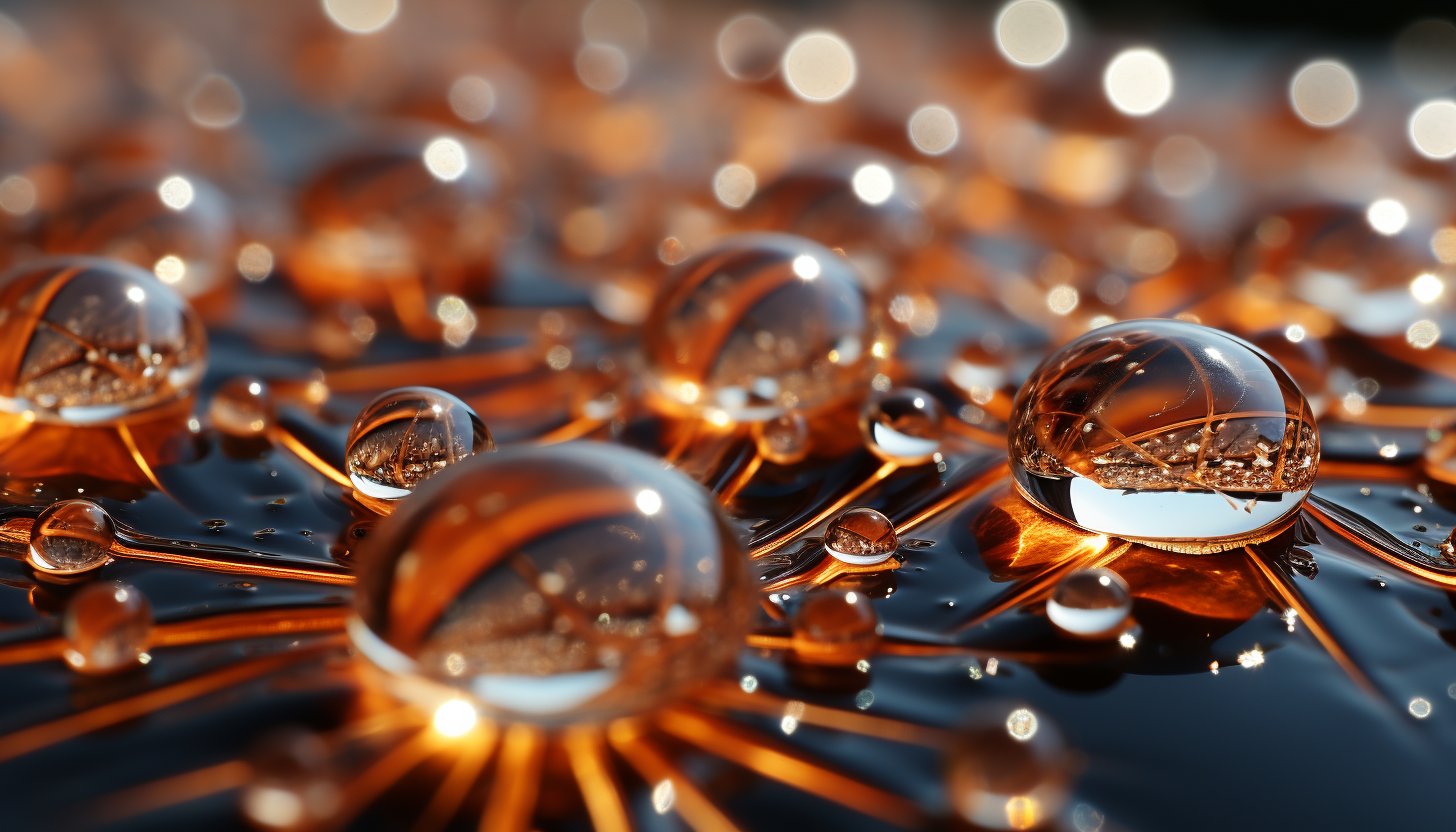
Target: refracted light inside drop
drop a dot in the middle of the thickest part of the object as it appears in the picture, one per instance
(1165, 432)
(554, 584)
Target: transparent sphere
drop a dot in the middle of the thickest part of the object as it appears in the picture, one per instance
(835, 628)
(1168, 433)
(554, 584)
(179, 228)
(757, 326)
(784, 440)
(1090, 602)
(242, 406)
(393, 213)
(1008, 768)
(87, 340)
(70, 537)
(406, 436)
(294, 785)
(861, 536)
(904, 425)
(107, 625)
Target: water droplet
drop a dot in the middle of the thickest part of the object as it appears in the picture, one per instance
(70, 537)
(406, 436)
(136, 323)
(1008, 773)
(1256, 447)
(740, 329)
(784, 440)
(107, 625)
(1090, 602)
(294, 785)
(242, 406)
(834, 628)
(903, 425)
(864, 699)
(458, 571)
(861, 536)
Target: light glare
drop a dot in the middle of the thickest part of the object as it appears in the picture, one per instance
(1138, 81)
(1433, 129)
(1031, 33)
(819, 66)
(873, 184)
(454, 718)
(1388, 216)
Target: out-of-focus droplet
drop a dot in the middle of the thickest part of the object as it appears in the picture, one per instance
(242, 406)
(819, 66)
(861, 536)
(734, 185)
(176, 192)
(933, 129)
(361, 16)
(799, 339)
(749, 47)
(1324, 93)
(71, 537)
(1031, 32)
(107, 626)
(407, 435)
(294, 786)
(784, 440)
(446, 159)
(1423, 334)
(1388, 216)
(150, 348)
(17, 195)
(1090, 603)
(215, 102)
(1433, 129)
(477, 572)
(255, 262)
(1138, 82)
(904, 425)
(472, 98)
(835, 628)
(1008, 769)
(602, 67)
(170, 269)
(1100, 438)
(1425, 55)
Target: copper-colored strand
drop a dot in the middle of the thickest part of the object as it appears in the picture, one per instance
(200, 630)
(383, 773)
(517, 778)
(372, 724)
(1404, 565)
(912, 649)
(285, 438)
(172, 791)
(131, 446)
(689, 433)
(296, 573)
(964, 492)
(777, 762)
(1286, 592)
(689, 801)
(741, 479)
(476, 751)
(1363, 471)
(824, 514)
(586, 749)
(575, 429)
(728, 696)
(75, 725)
(978, 435)
(475, 367)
